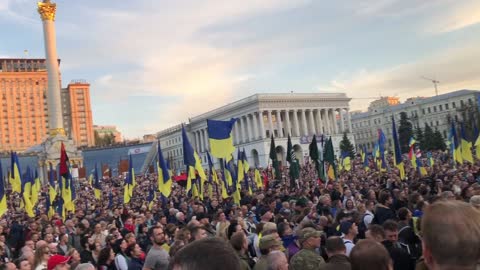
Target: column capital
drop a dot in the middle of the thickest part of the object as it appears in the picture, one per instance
(47, 10)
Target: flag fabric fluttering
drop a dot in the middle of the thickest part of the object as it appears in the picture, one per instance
(151, 198)
(212, 177)
(15, 177)
(164, 176)
(346, 162)
(26, 192)
(273, 156)
(258, 179)
(3, 194)
(430, 160)
(130, 182)
(397, 151)
(52, 189)
(330, 158)
(97, 188)
(220, 137)
(246, 168)
(64, 167)
(294, 170)
(466, 145)
(36, 188)
(192, 162)
(382, 164)
(365, 158)
(314, 155)
(455, 148)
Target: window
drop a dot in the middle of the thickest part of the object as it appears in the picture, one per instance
(423, 111)
(453, 105)
(440, 107)
(429, 111)
(444, 133)
(437, 122)
(470, 101)
(461, 103)
(434, 108)
(446, 106)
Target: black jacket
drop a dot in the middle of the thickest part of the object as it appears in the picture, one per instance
(401, 259)
(135, 264)
(382, 214)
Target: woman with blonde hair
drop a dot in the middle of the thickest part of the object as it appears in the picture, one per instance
(41, 258)
(74, 258)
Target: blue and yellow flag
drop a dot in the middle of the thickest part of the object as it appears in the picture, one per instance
(15, 177)
(36, 187)
(246, 168)
(212, 176)
(164, 176)
(220, 137)
(381, 148)
(346, 161)
(192, 161)
(466, 146)
(455, 148)
(240, 170)
(130, 182)
(421, 169)
(151, 198)
(97, 188)
(258, 179)
(231, 177)
(397, 151)
(365, 158)
(430, 159)
(26, 193)
(3, 195)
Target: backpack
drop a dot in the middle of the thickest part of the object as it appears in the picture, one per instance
(362, 227)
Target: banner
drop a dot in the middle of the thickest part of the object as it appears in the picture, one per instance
(139, 150)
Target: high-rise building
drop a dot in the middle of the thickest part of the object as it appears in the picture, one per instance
(24, 115)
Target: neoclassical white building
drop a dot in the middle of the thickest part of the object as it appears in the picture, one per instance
(261, 115)
(434, 111)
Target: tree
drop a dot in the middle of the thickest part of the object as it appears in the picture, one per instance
(428, 143)
(346, 146)
(405, 132)
(438, 141)
(106, 139)
(419, 137)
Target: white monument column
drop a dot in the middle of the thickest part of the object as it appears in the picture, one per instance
(279, 124)
(249, 127)
(342, 122)
(312, 123)
(297, 124)
(270, 123)
(304, 123)
(255, 126)
(202, 145)
(334, 121)
(319, 121)
(289, 125)
(327, 121)
(54, 100)
(262, 124)
(207, 142)
(349, 121)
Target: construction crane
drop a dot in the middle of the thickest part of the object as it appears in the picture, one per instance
(435, 82)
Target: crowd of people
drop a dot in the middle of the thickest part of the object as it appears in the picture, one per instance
(364, 219)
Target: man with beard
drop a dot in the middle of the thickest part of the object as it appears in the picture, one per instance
(157, 258)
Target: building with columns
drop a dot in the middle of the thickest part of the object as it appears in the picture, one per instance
(260, 116)
(434, 111)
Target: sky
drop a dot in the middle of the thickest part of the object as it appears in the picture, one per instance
(154, 64)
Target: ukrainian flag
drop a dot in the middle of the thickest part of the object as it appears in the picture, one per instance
(240, 169)
(129, 182)
(15, 177)
(421, 169)
(381, 148)
(365, 158)
(430, 159)
(192, 161)
(26, 192)
(220, 137)
(454, 146)
(36, 187)
(212, 176)
(150, 198)
(466, 146)
(164, 176)
(346, 161)
(3, 195)
(258, 179)
(224, 184)
(246, 168)
(397, 151)
(97, 188)
(231, 177)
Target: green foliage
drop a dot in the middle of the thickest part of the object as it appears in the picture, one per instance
(428, 142)
(419, 137)
(438, 141)
(405, 132)
(347, 146)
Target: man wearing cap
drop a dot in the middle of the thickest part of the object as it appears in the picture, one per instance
(58, 262)
(205, 222)
(307, 258)
(267, 244)
(349, 231)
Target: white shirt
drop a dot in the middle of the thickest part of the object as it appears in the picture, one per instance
(367, 218)
(348, 245)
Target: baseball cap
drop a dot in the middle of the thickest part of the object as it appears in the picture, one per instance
(306, 233)
(56, 260)
(269, 241)
(345, 227)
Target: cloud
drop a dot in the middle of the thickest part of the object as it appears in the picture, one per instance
(455, 68)
(455, 16)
